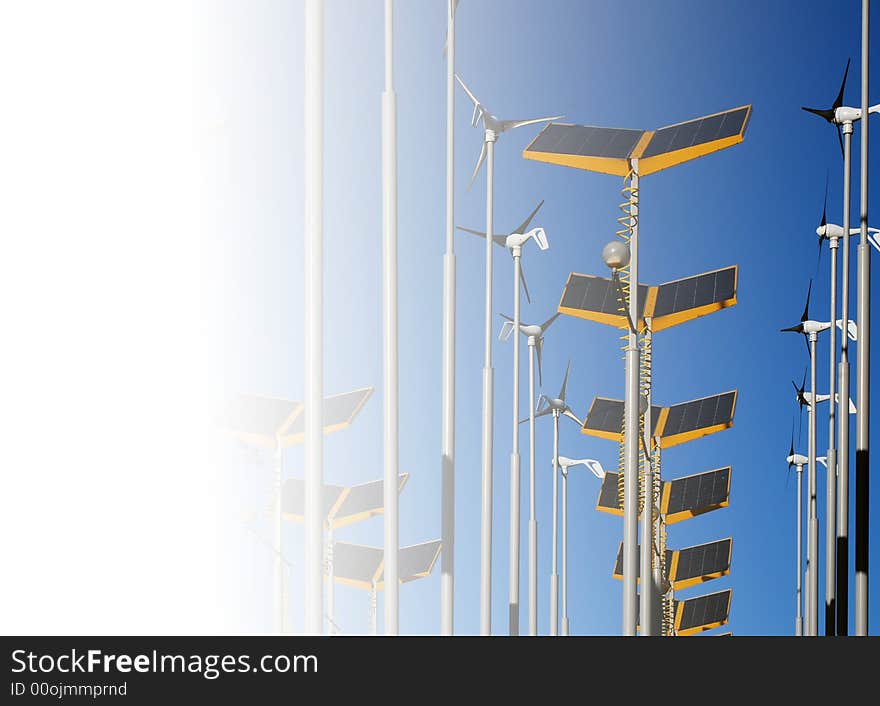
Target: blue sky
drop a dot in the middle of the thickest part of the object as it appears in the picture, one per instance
(638, 65)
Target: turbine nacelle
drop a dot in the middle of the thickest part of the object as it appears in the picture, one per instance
(594, 466)
(797, 460)
(517, 240)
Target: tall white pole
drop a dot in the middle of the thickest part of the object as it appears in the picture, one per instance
(513, 556)
(488, 402)
(331, 585)
(389, 316)
(278, 540)
(631, 440)
(533, 521)
(554, 577)
(314, 313)
(565, 552)
(813, 520)
(831, 455)
(646, 588)
(843, 408)
(447, 431)
(799, 623)
(863, 364)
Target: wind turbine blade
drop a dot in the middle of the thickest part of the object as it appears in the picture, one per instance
(548, 322)
(522, 279)
(839, 100)
(825, 113)
(506, 330)
(505, 317)
(525, 224)
(479, 164)
(543, 413)
(571, 415)
(471, 231)
(513, 124)
(565, 382)
(873, 240)
(468, 91)
(840, 140)
(806, 315)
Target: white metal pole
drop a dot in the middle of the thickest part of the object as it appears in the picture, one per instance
(843, 409)
(447, 431)
(813, 520)
(488, 402)
(278, 539)
(631, 441)
(799, 626)
(389, 315)
(863, 364)
(533, 521)
(831, 455)
(554, 576)
(646, 584)
(513, 556)
(331, 585)
(314, 313)
(564, 552)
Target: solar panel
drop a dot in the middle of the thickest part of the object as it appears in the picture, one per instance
(339, 411)
(356, 565)
(417, 561)
(609, 500)
(689, 298)
(293, 499)
(361, 566)
(702, 613)
(261, 420)
(606, 417)
(364, 501)
(697, 494)
(691, 420)
(341, 506)
(597, 299)
(696, 565)
(258, 419)
(609, 150)
(618, 565)
(697, 132)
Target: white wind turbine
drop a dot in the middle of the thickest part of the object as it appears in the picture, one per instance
(492, 128)
(535, 337)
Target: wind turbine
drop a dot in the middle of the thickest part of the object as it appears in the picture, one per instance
(557, 406)
(798, 461)
(535, 337)
(597, 470)
(843, 117)
(492, 128)
(810, 330)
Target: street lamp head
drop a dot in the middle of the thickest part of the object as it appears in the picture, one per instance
(616, 254)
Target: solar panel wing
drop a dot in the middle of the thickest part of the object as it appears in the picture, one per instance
(618, 564)
(605, 419)
(357, 565)
(293, 494)
(597, 299)
(363, 501)
(339, 411)
(691, 420)
(696, 565)
(692, 297)
(417, 561)
(695, 615)
(682, 142)
(596, 149)
(256, 420)
(694, 495)
(609, 499)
